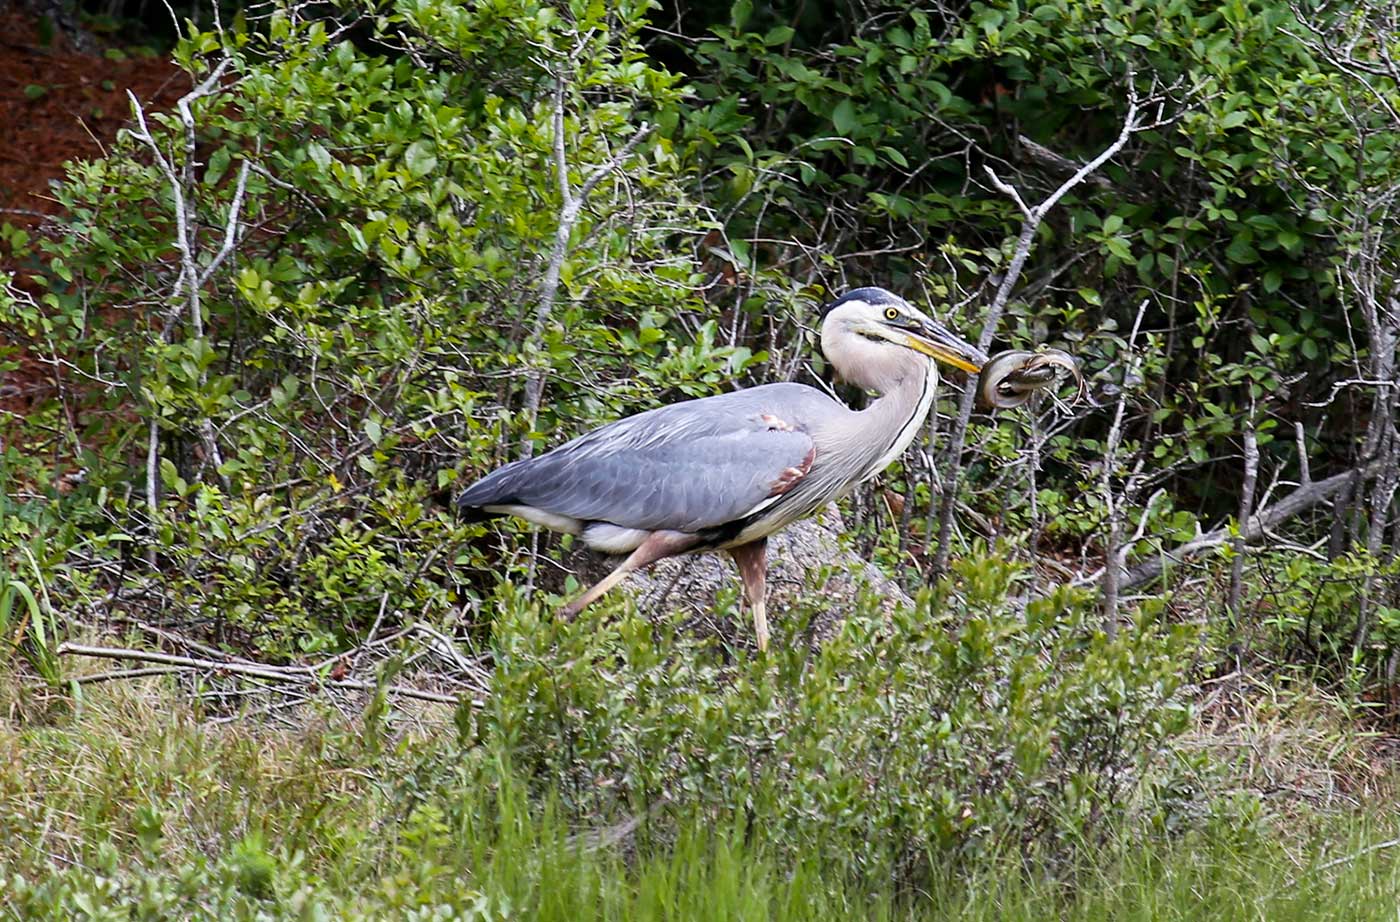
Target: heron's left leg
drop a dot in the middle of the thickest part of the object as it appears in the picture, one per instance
(657, 545)
(752, 561)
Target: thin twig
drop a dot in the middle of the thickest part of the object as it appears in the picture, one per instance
(230, 227)
(571, 207)
(1300, 500)
(1029, 225)
(1347, 859)
(256, 672)
(1251, 479)
(128, 674)
(1113, 566)
(186, 242)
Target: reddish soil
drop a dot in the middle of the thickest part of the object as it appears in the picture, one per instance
(58, 104)
(82, 104)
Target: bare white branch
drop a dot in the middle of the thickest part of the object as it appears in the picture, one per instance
(1113, 502)
(230, 228)
(1029, 225)
(304, 678)
(571, 207)
(1009, 190)
(191, 280)
(1300, 500)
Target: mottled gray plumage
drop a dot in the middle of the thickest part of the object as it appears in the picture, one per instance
(727, 471)
(688, 467)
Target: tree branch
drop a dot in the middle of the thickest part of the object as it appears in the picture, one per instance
(1113, 565)
(1251, 479)
(230, 227)
(1030, 224)
(186, 242)
(572, 206)
(1299, 501)
(252, 671)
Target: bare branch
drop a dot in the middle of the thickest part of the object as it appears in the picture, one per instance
(1299, 501)
(152, 481)
(1113, 565)
(568, 217)
(1304, 470)
(1060, 164)
(561, 162)
(1029, 226)
(177, 192)
(191, 280)
(254, 672)
(1251, 478)
(615, 161)
(1347, 859)
(230, 228)
(1009, 190)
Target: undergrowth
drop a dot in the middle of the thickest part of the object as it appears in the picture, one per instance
(128, 808)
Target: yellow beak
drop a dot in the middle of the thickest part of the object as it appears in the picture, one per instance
(938, 342)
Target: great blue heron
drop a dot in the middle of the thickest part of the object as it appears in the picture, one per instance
(725, 472)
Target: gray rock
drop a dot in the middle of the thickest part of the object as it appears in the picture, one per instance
(806, 562)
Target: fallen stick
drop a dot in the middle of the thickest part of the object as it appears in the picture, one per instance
(1300, 500)
(1345, 859)
(126, 674)
(256, 672)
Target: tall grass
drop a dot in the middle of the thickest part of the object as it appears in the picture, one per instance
(129, 808)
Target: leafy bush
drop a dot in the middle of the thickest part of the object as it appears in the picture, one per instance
(1334, 615)
(274, 390)
(267, 422)
(955, 727)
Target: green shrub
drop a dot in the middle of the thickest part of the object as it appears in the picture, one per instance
(954, 727)
(278, 439)
(1336, 616)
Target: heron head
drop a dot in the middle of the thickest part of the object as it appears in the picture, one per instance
(881, 318)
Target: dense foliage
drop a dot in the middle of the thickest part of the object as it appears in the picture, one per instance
(952, 727)
(132, 810)
(381, 248)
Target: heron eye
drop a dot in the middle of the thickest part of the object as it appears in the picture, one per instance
(891, 313)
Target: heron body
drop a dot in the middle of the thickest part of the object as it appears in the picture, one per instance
(725, 472)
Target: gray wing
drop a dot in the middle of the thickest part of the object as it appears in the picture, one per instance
(686, 467)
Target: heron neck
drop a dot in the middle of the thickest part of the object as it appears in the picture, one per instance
(892, 422)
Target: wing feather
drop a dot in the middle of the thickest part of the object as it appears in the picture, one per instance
(686, 467)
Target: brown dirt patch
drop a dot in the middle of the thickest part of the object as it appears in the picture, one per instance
(58, 104)
(82, 104)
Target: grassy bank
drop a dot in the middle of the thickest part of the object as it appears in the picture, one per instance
(128, 807)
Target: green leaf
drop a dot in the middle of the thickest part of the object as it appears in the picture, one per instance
(420, 158)
(739, 13)
(1119, 247)
(218, 165)
(33, 91)
(895, 155)
(779, 35)
(319, 155)
(844, 117)
(1241, 250)
(1234, 119)
(373, 430)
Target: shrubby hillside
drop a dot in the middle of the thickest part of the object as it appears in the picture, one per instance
(376, 250)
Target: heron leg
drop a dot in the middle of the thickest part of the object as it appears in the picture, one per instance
(752, 561)
(657, 545)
